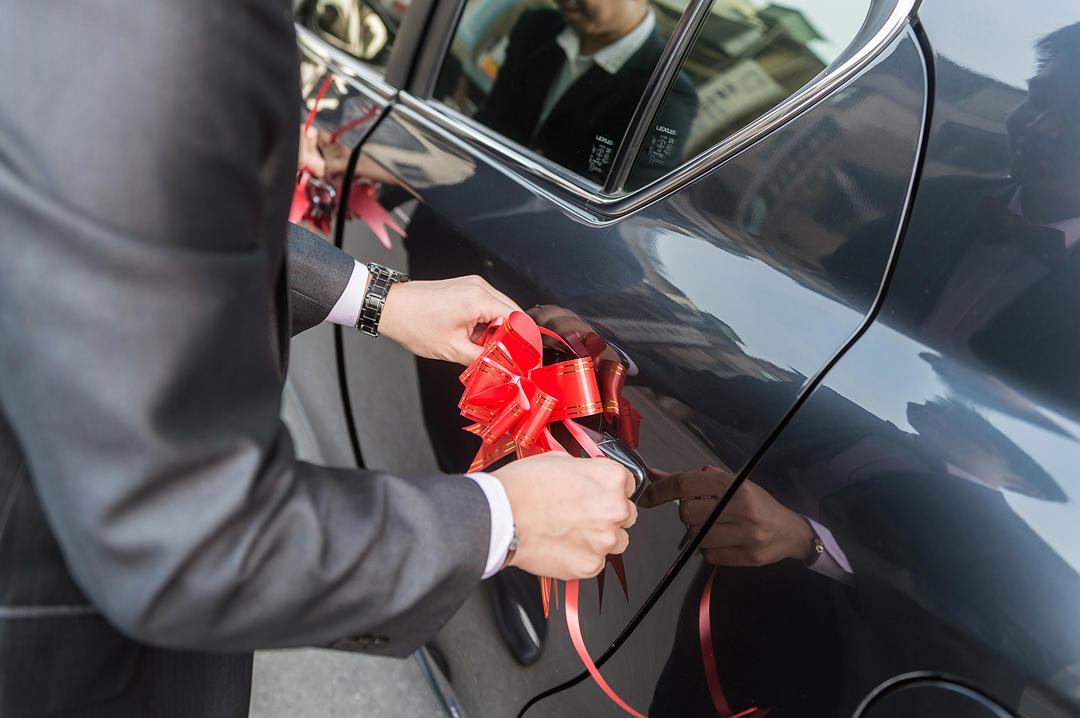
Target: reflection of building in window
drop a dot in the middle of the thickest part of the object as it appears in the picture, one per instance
(743, 64)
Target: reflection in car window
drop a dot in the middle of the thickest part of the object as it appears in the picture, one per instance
(362, 28)
(749, 56)
(563, 79)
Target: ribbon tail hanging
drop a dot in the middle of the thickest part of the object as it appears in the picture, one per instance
(616, 562)
(708, 659)
(573, 624)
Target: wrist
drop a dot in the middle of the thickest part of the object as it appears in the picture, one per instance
(809, 544)
(801, 540)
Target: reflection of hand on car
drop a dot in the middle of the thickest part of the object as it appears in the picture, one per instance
(570, 513)
(310, 158)
(336, 153)
(754, 529)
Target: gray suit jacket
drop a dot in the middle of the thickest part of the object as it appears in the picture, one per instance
(152, 512)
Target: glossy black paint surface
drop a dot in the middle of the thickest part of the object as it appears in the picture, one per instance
(938, 452)
(661, 285)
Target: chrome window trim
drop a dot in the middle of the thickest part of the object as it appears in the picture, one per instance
(603, 207)
(831, 79)
(573, 193)
(667, 69)
(578, 195)
(367, 78)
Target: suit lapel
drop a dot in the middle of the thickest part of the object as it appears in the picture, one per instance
(597, 84)
(545, 62)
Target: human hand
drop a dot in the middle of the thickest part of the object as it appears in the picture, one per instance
(754, 529)
(570, 513)
(336, 153)
(310, 158)
(442, 319)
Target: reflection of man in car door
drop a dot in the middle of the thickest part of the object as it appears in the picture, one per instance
(1002, 250)
(572, 79)
(993, 291)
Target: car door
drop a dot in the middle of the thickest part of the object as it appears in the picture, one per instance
(693, 224)
(938, 454)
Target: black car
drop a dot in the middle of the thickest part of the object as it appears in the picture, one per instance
(834, 248)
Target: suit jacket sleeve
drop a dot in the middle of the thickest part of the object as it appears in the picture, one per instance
(318, 275)
(138, 367)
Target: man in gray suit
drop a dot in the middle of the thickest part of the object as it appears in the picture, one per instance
(155, 525)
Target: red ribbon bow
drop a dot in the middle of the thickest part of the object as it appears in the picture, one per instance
(512, 397)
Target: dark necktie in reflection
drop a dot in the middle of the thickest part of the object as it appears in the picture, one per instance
(996, 223)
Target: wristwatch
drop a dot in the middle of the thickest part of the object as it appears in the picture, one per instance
(817, 547)
(379, 283)
(511, 549)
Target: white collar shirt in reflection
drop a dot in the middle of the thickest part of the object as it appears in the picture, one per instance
(610, 58)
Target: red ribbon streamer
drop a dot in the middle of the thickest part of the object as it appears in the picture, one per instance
(708, 659)
(512, 398)
(352, 124)
(315, 105)
(574, 625)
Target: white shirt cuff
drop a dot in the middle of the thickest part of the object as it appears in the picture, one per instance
(348, 304)
(833, 562)
(502, 521)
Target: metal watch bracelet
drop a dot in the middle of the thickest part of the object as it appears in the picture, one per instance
(511, 549)
(379, 282)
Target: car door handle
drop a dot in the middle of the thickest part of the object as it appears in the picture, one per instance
(615, 449)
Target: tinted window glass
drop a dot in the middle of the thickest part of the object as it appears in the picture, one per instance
(749, 56)
(363, 28)
(561, 79)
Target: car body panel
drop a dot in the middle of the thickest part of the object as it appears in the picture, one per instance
(763, 223)
(943, 468)
(749, 301)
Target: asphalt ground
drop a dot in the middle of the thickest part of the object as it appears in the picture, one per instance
(311, 683)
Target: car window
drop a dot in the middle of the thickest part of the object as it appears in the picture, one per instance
(749, 56)
(561, 79)
(363, 28)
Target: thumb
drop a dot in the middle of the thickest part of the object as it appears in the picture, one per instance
(465, 352)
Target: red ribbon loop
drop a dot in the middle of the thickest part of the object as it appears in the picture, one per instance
(512, 397)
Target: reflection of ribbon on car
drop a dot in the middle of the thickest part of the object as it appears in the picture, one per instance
(315, 199)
